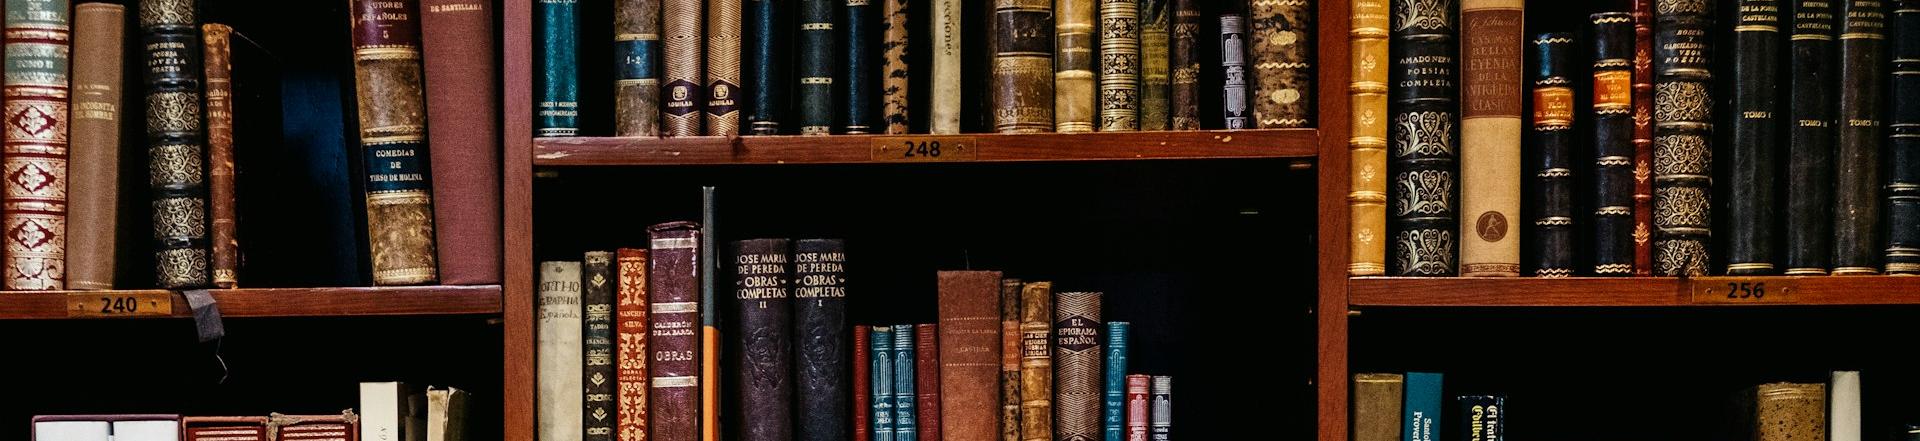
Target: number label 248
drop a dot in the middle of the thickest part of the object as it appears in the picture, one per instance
(922, 148)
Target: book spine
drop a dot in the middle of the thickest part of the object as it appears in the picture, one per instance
(393, 132)
(175, 137)
(1612, 143)
(674, 340)
(1790, 411)
(1843, 403)
(1480, 418)
(1282, 56)
(631, 352)
(457, 40)
(820, 338)
(680, 96)
(1809, 213)
(1491, 35)
(557, 97)
(1155, 67)
(1367, 149)
(1116, 390)
(970, 360)
(561, 386)
(1424, 213)
(1421, 421)
(1683, 136)
(1023, 86)
(218, 48)
(1552, 189)
(1036, 362)
(926, 372)
(883, 415)
(977, 79)
(816, 67)
(1010, 357)
(857, 59)
(894, 46)
(906, 424)
(1073, 64)
(766, 65)
(1184, 42)
(1642, 138)
(1160, 424)
(944, 109)
(636, 83)
(597, 299)
(723, 68)
(1856, 208)
(1903, 247)
(1377, 397)
(862, 384)
(1233, 68)
(1078, 387)
(1750, 163)
(1139, 387)
(1119, 65)
(709, 316)
(763, 308)
(94, 166)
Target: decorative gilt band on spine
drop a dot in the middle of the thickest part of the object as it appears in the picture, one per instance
(1367, 155)
(392, 110)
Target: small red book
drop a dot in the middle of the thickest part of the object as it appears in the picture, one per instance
(862, 383)
(926, 382)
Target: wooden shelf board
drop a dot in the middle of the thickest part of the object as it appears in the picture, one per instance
(1627, 292)
(287, 302)
(989, 147)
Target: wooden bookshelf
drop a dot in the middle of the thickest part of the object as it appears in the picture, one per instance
(1602, 292)
(281, 302)
(986, 147)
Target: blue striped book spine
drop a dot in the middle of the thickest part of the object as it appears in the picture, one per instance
(883, 383)
(557, 91)
(1422, 408)
(1117, 332)
(904, 428)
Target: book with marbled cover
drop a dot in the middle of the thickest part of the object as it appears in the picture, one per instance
(1282, 56)
(393, 132)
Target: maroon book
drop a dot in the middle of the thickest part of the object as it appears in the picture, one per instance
(862, 383)
(926, 380)
(230, 428)
(462, 107)
(1138, 409)
(673, 285)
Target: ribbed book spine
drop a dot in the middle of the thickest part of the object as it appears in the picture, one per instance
(37, 95)
(1023, 66)
(457, 40)
(862, 383)
(944, 111)
(894, 45)
(1750, 162)
(558, 347)
(1078, 387)
(1903, 234)
(1119, 65)
(1282, 54)
(906, 421)
(175, 137)
(1492, 37)
(1422, 120)
(1421, 418)
(820, 338)
(926, 382)
(1010, 357)
(1233, 71)
(1683, 136)
(882, 350)
(1856, 209)
(1073, 64)
(1184, 57)
(1367, 149)
(1036, 362)
(763, 309)
(673, 295)
(857, 60)
(1116, 379)
(94, 167)
(636, 67)
(1139, 411)
(1160, 424)
(1809, 208)
(630, 350)
(393, 134)
(816, 68)
(1612, 143)
(1642, 137)
(767, 57)
(219, 65)
(598, 283)
(723, 68)
(680, 96)
(1553, 138)
(556, 97)
(1155, 70)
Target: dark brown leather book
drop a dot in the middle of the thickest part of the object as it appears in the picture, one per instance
(723, 68)
(344, 426)
(680, 94)
(970, 362)
(1185, 79)
(224, 428)
(1642, 137)
(457, 42)
(763, 309)
(219, 67)
(1282, 58)
(673, 284)
(630, 350)
(1857, 163)
(35, 219)
(1010, 341)
(1036, 361)
(1079, 389)
(1073, 65)
(93, 166)
(386, 68)
(598, 283)
(926, 380)
(1376, 406)
(1023, 88)
(175, 133)
(636, 87)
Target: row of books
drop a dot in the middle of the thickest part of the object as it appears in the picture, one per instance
(1791, 119)
(389, 411)
(63, 143)
(1065, 66)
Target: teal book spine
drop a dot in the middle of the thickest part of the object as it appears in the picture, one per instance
(883, 384)
(904, 427)
(1422, 408)
(557, 100)
(1116, 428)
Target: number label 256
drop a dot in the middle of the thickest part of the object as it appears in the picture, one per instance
(1742, 290)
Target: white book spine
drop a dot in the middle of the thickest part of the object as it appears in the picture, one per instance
(559, 366)
(1843, 412)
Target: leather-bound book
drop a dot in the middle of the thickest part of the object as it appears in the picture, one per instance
(1367, 148)
(1422, 118)
(816, 67)
(1492, 38)
(820, 338)
(219, 66)
(1233, 71)
(630, 352)
(894, 45)
(1376, 403)
(882, 378)
(1810, 134)
(223, 428)
(1789, 412)
(926, 381)
(393, 134)
(856, 55)
(944, 111)
(709, 360)
(175, 140)
(558, 353)
(1903, 213)
(1612, 190)
(1282, 55)
(1642, 137)
(457, 40)
(597, 285)
(673, 296)
(1023, 86)
(723, 68)
(93, 168)
(1754, 135)
(970, 358)
(37, 96)
(862, 382)
(906, 417)
(1683, 136)
(977, 54)
(769, 52)
(763, 308)
(1115, 409)
(1160, 423)
(1843, 402)
(636, 67)
(1010, 345)
(556, 75)
(681, 96)
(1480, 416)
(1036, 361)
(1078, 387)
(1857, 162)
(1155, 67)
(1119, 65)
(1184, 57)
(340, 427)
(1073, 64)
(1139, 387)
(1552, 182)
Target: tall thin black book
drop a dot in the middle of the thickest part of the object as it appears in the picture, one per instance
(821, 338)
(763, 310)
(1612, 143)
(1553, 138)
(1810, 134)
(1750, 162)
(596, 335)
(1903, 214)
(1856, 202)
(1423, 120)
